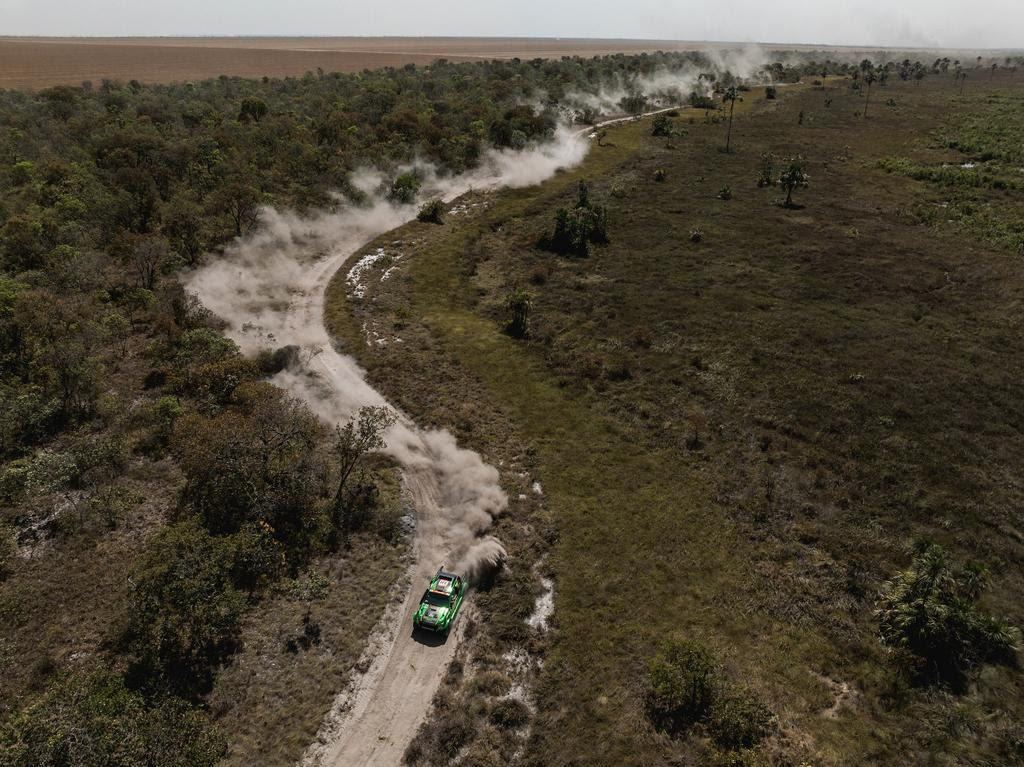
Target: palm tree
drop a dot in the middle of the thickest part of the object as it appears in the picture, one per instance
(869, 77)
(730, 95)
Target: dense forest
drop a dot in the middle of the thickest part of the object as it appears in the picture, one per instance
(125, 414)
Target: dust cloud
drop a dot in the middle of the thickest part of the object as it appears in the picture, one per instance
(269, 288)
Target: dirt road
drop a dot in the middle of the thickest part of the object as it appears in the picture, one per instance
(271, 288)
(392, 697)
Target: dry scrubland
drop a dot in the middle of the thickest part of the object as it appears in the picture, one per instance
(739, 438)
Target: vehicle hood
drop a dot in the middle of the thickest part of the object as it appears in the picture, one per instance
(433, 613)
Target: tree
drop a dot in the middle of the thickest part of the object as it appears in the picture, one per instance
(252, 109)
(256, 462)
(405, 188)
(661, 125)
(634, 103)
(518, 304)
(184, 610)
(869, 77)
(240, 200)
(682, 683)
(119, 328)
(730, 95)
(793, 177)
(183, 225)
(362, 434)
(931, 613)
(148, 257)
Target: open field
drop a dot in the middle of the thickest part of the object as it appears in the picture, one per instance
(39, 62)
(739, 438)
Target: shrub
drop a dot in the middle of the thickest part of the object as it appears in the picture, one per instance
(769, 91)
(404, 188)
(659, 175)
(682, 684)
(699, 101)
(518, 304)
(661, 125)
(930, 613)
(510, 714)
(432, 212)
(696, 235)
(184, 609)
(575, 230)
(95, 721)
(725, 193)
(8, 549)
(738, 720)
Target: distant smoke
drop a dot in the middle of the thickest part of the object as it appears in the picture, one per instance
(269, 287)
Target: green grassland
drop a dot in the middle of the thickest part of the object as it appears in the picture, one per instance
(738, 438)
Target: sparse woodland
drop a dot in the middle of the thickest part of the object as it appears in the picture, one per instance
(156, 490)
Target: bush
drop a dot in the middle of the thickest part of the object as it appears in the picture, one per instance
(518, 304)
(184, 610)
(659, 175)
(510, 714)
(930, 612)
(739, 721)
(575, 230)
(725, 193)
(769, 92)
(696, 235)
(8, 550)
(404, 188)
(699, 101)
(95, 721)
(432, 212)
(661, 125)
(682, 684)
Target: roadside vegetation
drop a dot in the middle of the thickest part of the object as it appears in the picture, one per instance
(777, 458)
(190, 561)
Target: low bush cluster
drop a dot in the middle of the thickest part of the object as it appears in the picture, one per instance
(686, 689)
(575, 230)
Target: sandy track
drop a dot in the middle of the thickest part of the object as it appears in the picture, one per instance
(376, 718)
(391, 699)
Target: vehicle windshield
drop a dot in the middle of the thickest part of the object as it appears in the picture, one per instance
(438, 600)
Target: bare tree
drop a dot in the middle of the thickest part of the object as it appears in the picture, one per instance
(148, 256)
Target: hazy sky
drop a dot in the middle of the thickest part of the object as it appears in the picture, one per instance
(949, 23)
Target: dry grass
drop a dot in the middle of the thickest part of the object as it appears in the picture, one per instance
(848, 372)
(299, 649)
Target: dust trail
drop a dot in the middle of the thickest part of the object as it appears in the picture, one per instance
(672, 86)
(269, 288)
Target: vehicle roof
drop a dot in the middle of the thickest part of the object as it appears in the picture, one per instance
(443, 583)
